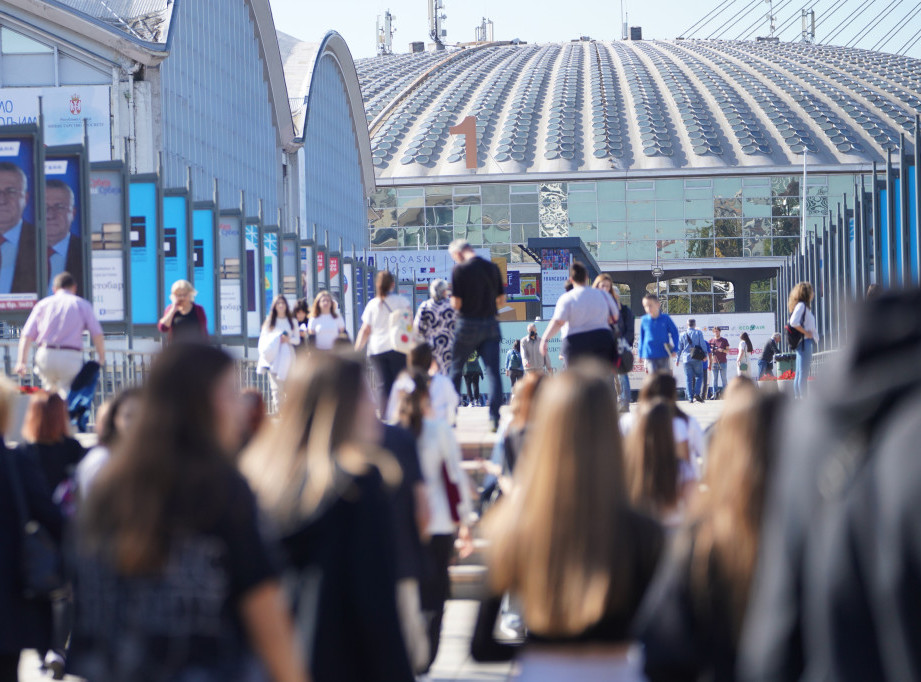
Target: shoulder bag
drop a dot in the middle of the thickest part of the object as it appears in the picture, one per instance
(400, 329)
(697, 353)
(40, 562)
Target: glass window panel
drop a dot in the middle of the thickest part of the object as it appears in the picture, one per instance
(785, 227)
(727, 187)
(670, 189)
(818, 206)
(412, 237)
(677, 305)
(756, 228)
(785, 246)
(524, 213)
(701, 304)
(608, 211)
(670, 209)
(499, 252)
(671, 248)
(785, 186)
(698, 208)
(494, 193)
(494, 215)
(517, 234)
(641, 210)
(701, 285)
(762, 302)
(523, 199)
(670, 229)
(697, 183)
(466, 190)
(384, 198)
(439, 236)
(641, 249)
(495, 234)
(757, 191)
(756, 207)
(679, 285)
(28, 69)
(439, 196)
(728, 248)
(468, 215)
(582, 213)
(612, 231)
(383, 218)
(840, 184)
(466, 199)
(756, 247)
(706, 193)
(727, 208)
(641, 230)
(817, 190)
(16, 43)
(785, 206)
(526, 188)
(700, 248)
(386, 237)
(587, 230)
(611, 190)
(472, 233)
(581, 187)
(582, 199)
(641, 186)
(439, 215)
(756, 181)
(817, 181)
(517, 255)
(725, 227)
(410, 192)
(409, 202)
(410, 216)
(613, 250)
(698, 229)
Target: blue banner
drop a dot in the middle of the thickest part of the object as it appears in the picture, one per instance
(913, 222)
(203, 261)
(175, 241)
(270, 285)
(884, 245)
(142, 232)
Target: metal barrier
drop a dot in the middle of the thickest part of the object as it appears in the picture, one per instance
(126, 368)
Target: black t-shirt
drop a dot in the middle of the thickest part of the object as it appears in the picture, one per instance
(183, 618)
(478, 283)
(56, 460)
(186, 327)
(401, 444)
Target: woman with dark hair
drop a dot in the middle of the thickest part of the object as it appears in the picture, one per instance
(276, 341)
(24, 623)
(375, 332)
(692, 616)
(173, 580)
(47, 440)
(567, 543)
(743, 360)
(301, 312)
(653, 481)
(114, 420)
(799, 305)
(319, 474)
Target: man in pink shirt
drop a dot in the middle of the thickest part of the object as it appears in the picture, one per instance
(56, 326)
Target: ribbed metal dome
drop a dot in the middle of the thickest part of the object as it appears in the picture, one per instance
(644, 105)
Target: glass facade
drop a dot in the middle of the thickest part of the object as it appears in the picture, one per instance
(619, 220)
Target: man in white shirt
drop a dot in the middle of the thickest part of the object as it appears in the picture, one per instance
(588, 314)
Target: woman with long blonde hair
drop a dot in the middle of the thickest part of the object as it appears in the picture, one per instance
(799, 305)
(566, 542)
(318, 474)
(692, 617)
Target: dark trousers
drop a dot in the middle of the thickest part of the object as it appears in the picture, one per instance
(388, 366)
(598, 344)
(480, 335)
(9, 667)
(473, 387)
(436, 588)
(514, 375)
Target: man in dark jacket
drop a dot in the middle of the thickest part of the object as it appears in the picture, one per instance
(836, 590)
(766, 361)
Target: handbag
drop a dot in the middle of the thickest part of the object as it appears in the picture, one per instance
(40, 562)
(794, 336)
(400, 329)
(697, 353)
(452, 492)
(624, 362)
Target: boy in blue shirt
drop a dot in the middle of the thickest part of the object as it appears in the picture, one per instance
(656, 330)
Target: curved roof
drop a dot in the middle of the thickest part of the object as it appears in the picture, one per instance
(639, 106)
(300, 60)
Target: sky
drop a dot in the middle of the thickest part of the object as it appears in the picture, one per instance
(541, 21)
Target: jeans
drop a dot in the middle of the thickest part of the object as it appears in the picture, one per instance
(803, 361)
(388, 366)
(765, 368)
(694, 374)
(480, 335)
(654, 365)
(719, 370)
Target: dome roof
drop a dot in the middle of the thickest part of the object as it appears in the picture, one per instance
(640, 106)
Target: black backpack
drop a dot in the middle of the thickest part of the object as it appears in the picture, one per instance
(697, 353)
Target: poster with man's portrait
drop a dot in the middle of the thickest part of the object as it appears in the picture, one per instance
(64, 219)
(18, 282)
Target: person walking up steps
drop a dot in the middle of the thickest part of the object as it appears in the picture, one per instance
(472, 375)
(514, 368)
(477, 294)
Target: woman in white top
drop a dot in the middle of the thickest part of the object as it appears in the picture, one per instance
(325, 324)
(440, 460)
(743, 360)
(799, 305)
(375, 332)
(277, 339)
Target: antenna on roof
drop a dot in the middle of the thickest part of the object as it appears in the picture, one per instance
(484, 32)
(385, 33)
(623, 22)
(808, 17)
(772, 19)
(436, 19)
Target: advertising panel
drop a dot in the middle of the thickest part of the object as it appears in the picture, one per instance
(175, 241)
(290, 286)
(142, 233)
(307, 270)
(230, 269)
(270, 285)
(18, 283)
(64, 218)
(322, 281)
(203, 261)
(348, 297)
(419, 266)
(107, 230)
(64, 109)
(253, 293)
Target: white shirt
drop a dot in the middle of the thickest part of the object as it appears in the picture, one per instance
(804, 317)
(437, 444)
(89, 467)
(688, 431)
(442, 397)
(584, 309)
(377, 317)
(276, 357)
(325, 330)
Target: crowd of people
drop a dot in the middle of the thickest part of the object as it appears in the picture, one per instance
(201, 541)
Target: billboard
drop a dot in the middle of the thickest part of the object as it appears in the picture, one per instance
(253, 300)
(18, 281)
(107, 231)
(230, 270)
(419, 266)
(348, 297)
(270, 285)
(64, 218)
(175, 241)
(142, 233)
(203, 261)
(307, 289)
(65, 109)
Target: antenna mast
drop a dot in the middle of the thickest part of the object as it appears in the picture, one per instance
(436, 20)
(808, 17)
(385, 33)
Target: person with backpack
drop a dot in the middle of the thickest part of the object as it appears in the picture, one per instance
(693, 350)
(626, 335)
(514, 368)
(472, 375)
(375, 333)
